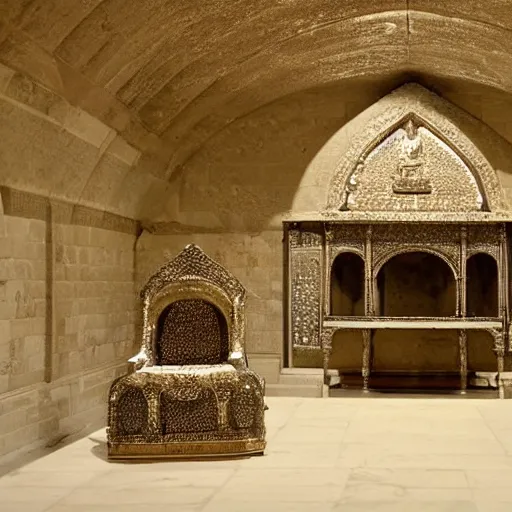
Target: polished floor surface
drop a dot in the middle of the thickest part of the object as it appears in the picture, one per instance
(337, 454)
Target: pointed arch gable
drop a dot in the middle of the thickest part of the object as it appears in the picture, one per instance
(325, 182)
(412, 104)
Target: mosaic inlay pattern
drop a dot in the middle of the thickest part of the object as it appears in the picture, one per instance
(192, 332)
(305, 292)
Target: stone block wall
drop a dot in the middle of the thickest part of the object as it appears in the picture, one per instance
(67, 326)
(94, 302)
(22, 303)
(70, 187)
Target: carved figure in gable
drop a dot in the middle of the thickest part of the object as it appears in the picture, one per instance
(409, 178)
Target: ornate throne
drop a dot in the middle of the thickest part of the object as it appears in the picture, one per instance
(192, 394)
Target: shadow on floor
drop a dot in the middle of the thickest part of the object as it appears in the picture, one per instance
(100, 449)
(15, 461)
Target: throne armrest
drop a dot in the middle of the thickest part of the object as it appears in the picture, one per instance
(237, 359)
(139, 360)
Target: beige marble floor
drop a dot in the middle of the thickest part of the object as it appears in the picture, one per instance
(337, 454)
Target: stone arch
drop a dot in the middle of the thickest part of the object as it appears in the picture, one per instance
(411, 249)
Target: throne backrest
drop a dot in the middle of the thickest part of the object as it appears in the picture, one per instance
(191, 331)
(193, 312)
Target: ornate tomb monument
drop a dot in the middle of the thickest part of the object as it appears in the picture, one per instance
(414, 237)
(192, 394)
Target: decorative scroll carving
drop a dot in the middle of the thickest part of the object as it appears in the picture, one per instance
(488, 234)
(192, 263)
(346, 235)
(416, 233)
(188, 393)
(191, 275)
(341, 239)
(489, 249)
(340, 249)
(484, 239)
(382, 254)
(305, 294)
(412, 169)
(388, 240)
(305, 239)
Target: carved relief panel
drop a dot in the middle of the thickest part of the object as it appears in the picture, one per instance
(305, 281)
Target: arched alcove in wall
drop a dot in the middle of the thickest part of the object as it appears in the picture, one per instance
(418, 284)
(482, 286)
(406, 190)
(347, 285)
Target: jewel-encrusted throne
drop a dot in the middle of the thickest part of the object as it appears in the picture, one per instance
(192, 394)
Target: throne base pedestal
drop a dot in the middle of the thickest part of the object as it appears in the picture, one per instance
(187, 450)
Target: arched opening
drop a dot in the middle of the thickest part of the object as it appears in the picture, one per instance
(416, 284)
(191, 331)
(347, 285)
(482, 286)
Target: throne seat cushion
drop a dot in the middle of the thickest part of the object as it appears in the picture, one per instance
(192, 370)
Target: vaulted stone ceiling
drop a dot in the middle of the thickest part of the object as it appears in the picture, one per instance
(168, 75)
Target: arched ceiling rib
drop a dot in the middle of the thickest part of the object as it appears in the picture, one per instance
(167, 75)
